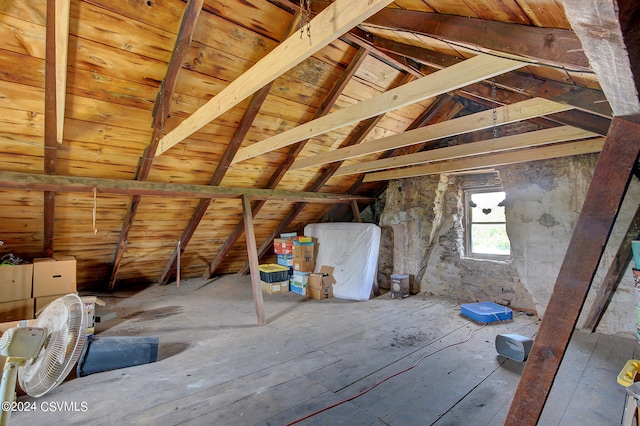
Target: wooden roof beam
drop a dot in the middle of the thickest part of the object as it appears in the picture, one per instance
(491, 160)
(335, 20)
(230, 151)
(81, 184)
(282, 169)
(482, 120)
(589, 100)
(470, 71)
(505, 143)
(160, 113)
(553, 45)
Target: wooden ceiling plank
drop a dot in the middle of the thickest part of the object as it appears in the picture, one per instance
(535, 107)
(62, 50)
(605, 194)
(492, 160)
(338, 18)
(470, 71)
(490, 146)
(83, 184)
(553, 45)
(160, 112)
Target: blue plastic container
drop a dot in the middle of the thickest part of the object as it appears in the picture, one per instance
(485, 312)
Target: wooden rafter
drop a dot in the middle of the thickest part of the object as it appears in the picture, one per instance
(482, 120)
(277, 176)
(50, 125)
(445, 108)
(230, 151)
(491, 160)
(62, 48)
(543, 44)
(328, 173)
(160, 112)
(338, 18)
(589, 100)
(470, 71)
(81, 184)
(490, 146)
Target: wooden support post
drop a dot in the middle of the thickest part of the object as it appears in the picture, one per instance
(252, 252)
(608, 186)
(356, 211)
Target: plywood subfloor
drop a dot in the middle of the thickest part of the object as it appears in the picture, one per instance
(217, 367)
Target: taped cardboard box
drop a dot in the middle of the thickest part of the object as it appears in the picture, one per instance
(15, 282)
(275, 288)
(303, 251)
(321, 283)
(303, 266)
(54, 276)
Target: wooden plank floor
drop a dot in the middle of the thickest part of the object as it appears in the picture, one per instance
(217, 367)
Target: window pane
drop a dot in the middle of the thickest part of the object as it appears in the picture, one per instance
(490, 239)
(486, 207)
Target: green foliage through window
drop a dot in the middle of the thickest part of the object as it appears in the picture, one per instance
(486, 225)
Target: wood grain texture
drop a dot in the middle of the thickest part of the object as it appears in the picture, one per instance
(339, 18)
(459, 75)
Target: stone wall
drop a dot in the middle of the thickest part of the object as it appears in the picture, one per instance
(423, 222)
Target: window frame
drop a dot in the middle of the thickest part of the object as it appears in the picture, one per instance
(468, 192)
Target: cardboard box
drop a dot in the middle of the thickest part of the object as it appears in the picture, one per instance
(303, 251)
(15, 282)
(298, 288)
(16, 310)
(90, 303)
(320, 293)
(300, 277)
(303, 266)
(323, 278)
(321, 283)
(54, 276)
(282, 246)
(275, 288)
(285, 259)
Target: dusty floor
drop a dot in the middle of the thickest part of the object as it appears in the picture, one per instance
(217, 367)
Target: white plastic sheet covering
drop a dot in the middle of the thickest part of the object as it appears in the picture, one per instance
(352, 249)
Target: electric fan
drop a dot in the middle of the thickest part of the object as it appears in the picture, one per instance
(42, 356)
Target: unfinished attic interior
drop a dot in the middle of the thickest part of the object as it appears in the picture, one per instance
(164, 158)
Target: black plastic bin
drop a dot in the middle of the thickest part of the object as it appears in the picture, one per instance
(104, 353)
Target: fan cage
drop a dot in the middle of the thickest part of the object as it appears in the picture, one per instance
(66, 322)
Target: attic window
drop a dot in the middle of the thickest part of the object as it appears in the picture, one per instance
(486, 225)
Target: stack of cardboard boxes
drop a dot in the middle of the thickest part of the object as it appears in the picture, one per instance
(298, 253)
(26, 289)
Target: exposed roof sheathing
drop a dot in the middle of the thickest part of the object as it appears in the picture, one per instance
(137, 70)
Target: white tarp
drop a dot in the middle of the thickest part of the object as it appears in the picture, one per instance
(352, 249)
